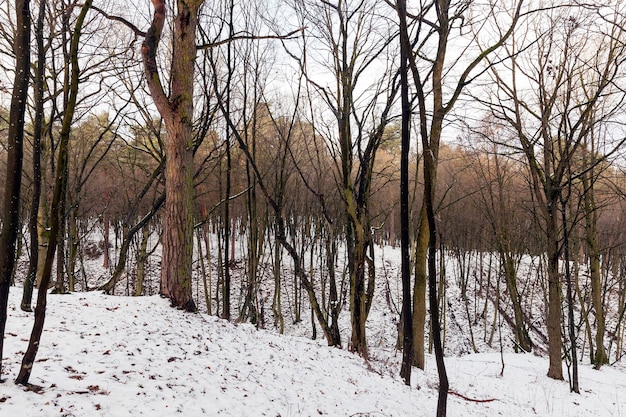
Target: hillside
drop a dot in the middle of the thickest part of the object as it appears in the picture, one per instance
(119, 356)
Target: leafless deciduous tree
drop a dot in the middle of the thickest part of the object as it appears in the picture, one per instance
(439, 80)
(60, 185)
(357, 36)
(176, 108)
(31, 275)
(560, 84)
(11, 201)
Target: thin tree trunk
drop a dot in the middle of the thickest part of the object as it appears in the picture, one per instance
(142, 258)
(521, 334)
(43, 231)
(207, 281)
(31, 275)
(419, 291)
(574, 385)
(432, 285)
(11, 201)
(125, 246)
(279, 321)
(74, 243)
(405, 244)
(107, 230)
(591, 221)
(334, 305)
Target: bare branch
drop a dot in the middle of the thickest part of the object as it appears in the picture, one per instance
(135, 29)
(249, 37)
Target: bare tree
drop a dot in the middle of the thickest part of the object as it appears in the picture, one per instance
(357, 36)
(439, 80)
(557, 87)
(498, 202)
(31, 275)
(60, 184)
(407, 307)
(176, 108)
(11, 201)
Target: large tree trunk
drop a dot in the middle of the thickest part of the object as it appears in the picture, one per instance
(177, 112)
(177, 236)
(11, 203)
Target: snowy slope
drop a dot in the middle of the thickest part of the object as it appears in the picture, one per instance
(119, 356)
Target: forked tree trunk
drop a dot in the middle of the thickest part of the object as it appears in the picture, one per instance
(177, 112)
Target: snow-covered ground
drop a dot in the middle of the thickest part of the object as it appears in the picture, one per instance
(118, 356)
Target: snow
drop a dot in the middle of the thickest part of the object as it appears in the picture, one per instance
(122, 356)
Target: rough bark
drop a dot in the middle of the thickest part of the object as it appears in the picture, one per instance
(177, 112)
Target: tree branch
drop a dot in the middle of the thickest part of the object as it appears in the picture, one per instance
(249, 37)
(135, 29)
(148, 53)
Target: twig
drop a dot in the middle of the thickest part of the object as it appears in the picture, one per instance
(475, 400)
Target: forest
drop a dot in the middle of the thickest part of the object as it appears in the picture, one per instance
(259, 161)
